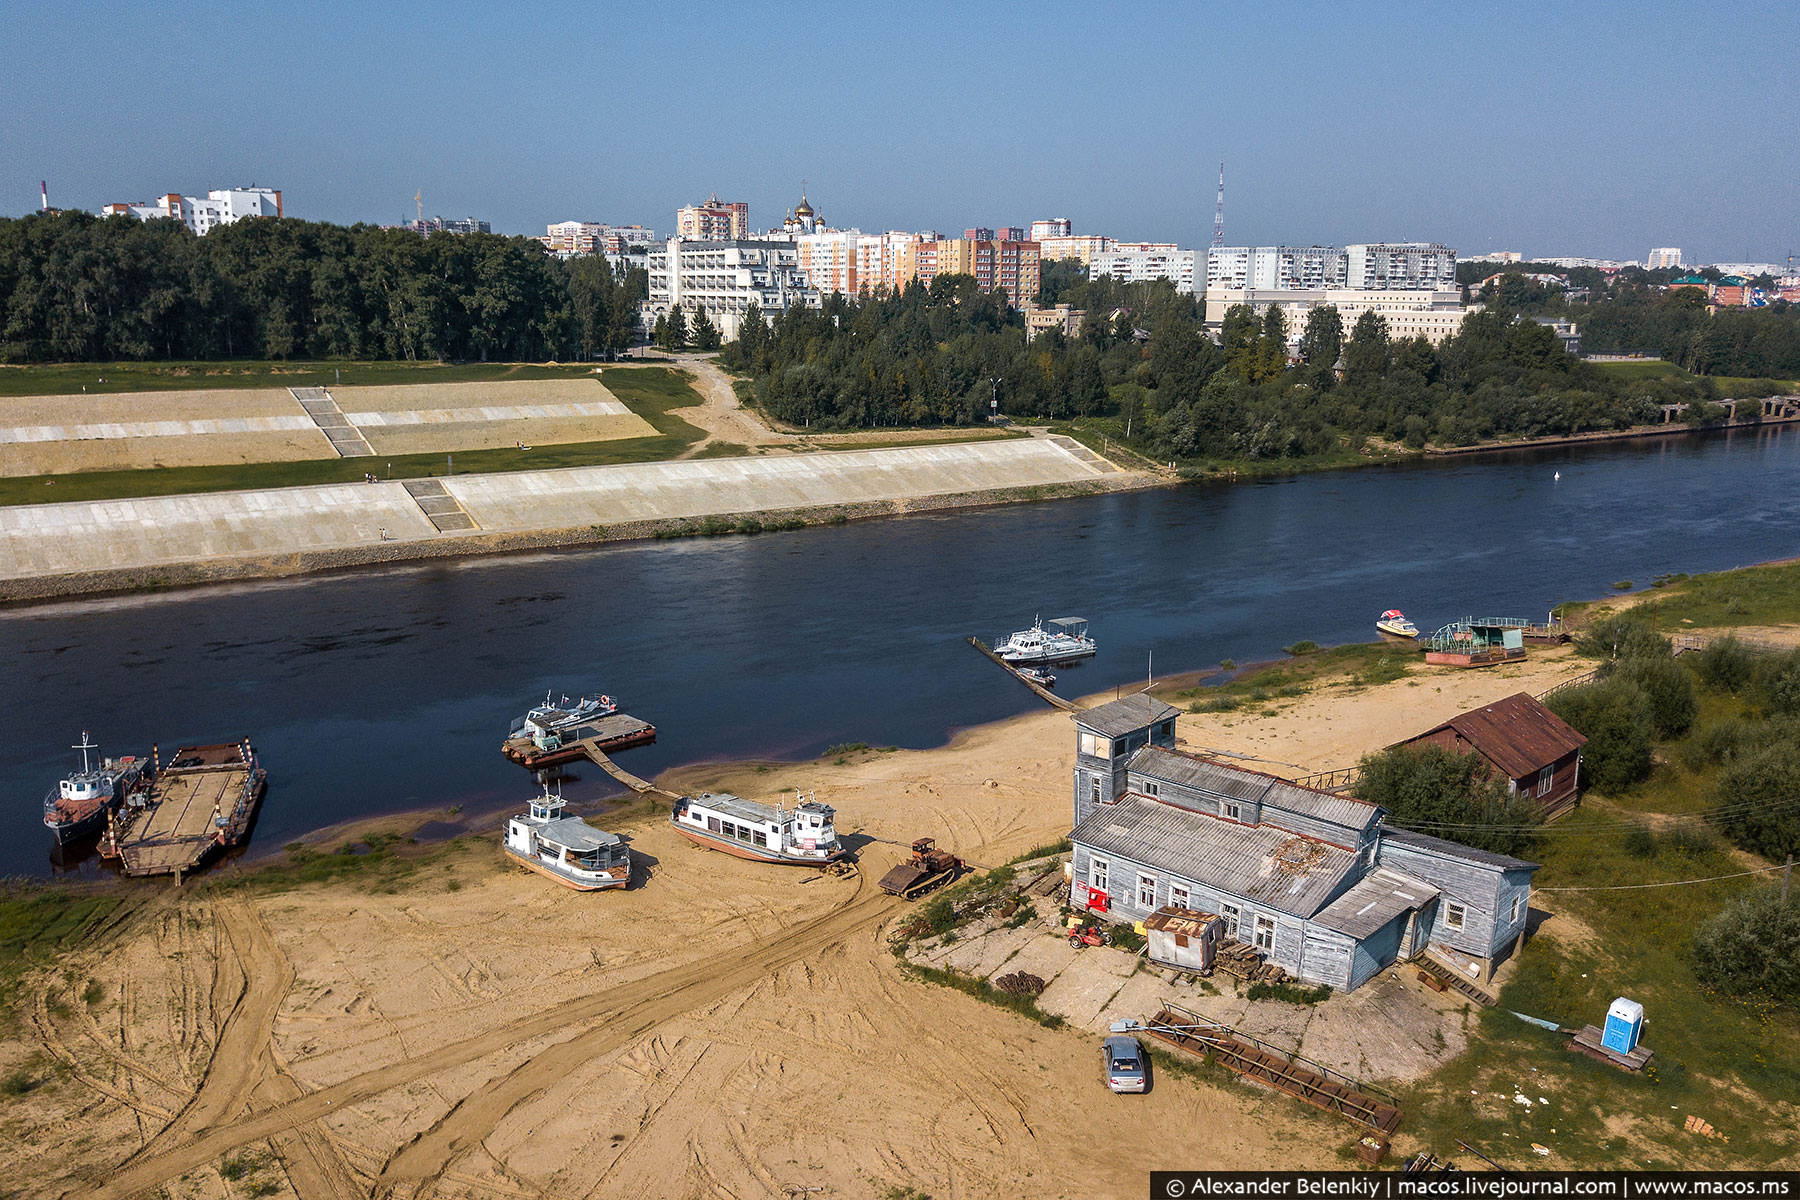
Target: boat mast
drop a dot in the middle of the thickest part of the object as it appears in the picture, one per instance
(85, 746)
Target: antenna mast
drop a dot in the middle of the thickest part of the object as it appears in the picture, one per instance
(1219, 210)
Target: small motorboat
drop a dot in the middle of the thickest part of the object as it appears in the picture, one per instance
(1393, 622)
(1038, 676)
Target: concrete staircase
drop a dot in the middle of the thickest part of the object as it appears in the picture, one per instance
(438, 505)
(344, 437)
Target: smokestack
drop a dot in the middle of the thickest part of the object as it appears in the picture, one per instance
(44, 187)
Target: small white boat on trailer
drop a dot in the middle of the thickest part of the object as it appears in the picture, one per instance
(1394, 623)
(799, 836)
(1063, 640)
(567, 849)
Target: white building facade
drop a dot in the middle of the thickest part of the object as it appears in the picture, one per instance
(722, 278)
(1397, 266)
(1409, 312)
(221, 206)
(1275, 268)
(1664, 256)
(1138, 264)
(1053, 227)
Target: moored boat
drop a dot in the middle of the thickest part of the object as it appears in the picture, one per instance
(1063, 640)
(1394, 623)
(78, 805)
(546, 723)
(567, 849)
(1037, 675)
(799, 836)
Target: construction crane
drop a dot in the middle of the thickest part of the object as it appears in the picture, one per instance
(1219, 210)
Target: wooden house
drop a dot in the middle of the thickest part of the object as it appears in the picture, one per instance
(1522, 742)
(1309, 878)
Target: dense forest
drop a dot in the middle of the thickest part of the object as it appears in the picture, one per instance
(939, 354)
(75, 287)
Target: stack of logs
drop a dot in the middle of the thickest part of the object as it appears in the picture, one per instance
(1246, 962)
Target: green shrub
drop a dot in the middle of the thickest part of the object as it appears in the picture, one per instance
(1779, 682)
(1639, 842)
(1725, 665)
(1615, 717)
(1759, 801)
(1623, 636)
(1301, 647)
(1289, 993)
(1723, 741)
(1666, 685)
(1752, 948)
(1440, 792)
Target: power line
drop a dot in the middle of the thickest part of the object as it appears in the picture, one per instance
(1636, 887)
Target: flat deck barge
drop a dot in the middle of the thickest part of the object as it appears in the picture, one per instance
(616, 731)
(203, 801)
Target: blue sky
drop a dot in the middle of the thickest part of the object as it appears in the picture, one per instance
(1553, 128)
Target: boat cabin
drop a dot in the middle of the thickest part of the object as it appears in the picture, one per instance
(805, 831)
(567, 848)
(1476, 642)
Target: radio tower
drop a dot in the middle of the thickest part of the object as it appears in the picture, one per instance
(1219, 210)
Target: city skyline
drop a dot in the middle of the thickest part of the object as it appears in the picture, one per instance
(1557, 133)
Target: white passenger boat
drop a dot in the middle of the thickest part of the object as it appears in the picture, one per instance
(1394, 622)
(1063, 640)
(800, 836)
(567, 849)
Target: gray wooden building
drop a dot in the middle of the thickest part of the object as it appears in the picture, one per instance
(1312, 879)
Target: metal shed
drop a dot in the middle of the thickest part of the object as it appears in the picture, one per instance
(1184, 938)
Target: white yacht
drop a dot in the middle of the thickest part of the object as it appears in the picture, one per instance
(567, 849)
(1060, 641)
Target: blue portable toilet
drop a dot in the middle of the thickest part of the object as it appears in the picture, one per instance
(1624, 1024)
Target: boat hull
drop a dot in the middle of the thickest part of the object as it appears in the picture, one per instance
(738, 849)
(1034, 658)
(568, 881)
(84, 827)
(1409, 632)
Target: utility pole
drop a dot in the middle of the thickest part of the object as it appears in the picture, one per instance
(1786, 873)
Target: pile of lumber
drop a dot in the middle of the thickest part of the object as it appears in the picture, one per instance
(1246, 962)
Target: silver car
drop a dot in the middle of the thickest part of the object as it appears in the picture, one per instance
(1125, 1067)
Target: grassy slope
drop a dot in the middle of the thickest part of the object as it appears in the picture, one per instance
(1766, 595)
(97, 378)
(650, 392)
(1668, 370)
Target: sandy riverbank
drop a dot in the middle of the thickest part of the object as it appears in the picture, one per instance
(463, 1028)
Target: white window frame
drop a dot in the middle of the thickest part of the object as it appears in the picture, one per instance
(1232, 915)
(1095, 793)
(1264, 925)
(1230, 810)
(1546, 778)
(1178, 895)
(1518, 905)
(1098, 871)
(1146, 882)
(1454, 915)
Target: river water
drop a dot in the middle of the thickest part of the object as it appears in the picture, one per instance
(386, 690)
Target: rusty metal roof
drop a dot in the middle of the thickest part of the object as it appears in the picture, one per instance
(1239, 783)
(1518, 734)
(1275, 868)
(1172, 918)
(1382, 895)
(1117, 717)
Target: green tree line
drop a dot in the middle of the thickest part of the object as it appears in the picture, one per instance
(938, 354)
(80, 288)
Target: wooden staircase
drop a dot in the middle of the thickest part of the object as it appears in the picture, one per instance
(1452, 978)
(1288, 1073)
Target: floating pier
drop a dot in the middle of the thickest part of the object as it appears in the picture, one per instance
(203, 801)
(1043, 692)
(617, 731)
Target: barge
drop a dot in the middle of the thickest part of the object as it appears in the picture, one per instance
(567, 849)
(203, 802)
(799, 836)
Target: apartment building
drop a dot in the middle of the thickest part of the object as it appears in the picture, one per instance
(1142, 262)
(221, 206)
(714, 219)
(1664, 256)
(1010, 266)
(1385, 266)
(1053, 227)
(1080, 248)
(1275, 268)
(829, 260)
(722, 278)
(567, 238)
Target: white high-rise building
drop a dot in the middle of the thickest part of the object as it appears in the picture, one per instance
(1136, 264)
(221, 206)
(721, 278)
(1391, 266)
(1275, 268)
(1053, 227)
(1664, 256)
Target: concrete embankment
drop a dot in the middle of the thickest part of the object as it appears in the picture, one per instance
(87, 547)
